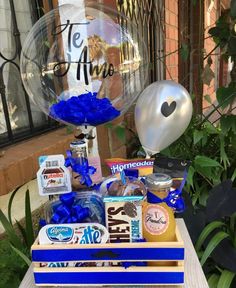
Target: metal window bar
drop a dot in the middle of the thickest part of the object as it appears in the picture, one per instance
(148, 16)
(36, 12)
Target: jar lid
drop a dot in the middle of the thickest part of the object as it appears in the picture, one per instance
(158, 180)
(78, 144)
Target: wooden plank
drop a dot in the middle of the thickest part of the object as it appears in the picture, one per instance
(110, 246)
(142, 251)
(104, 254)
(194, 276)
(113, 275)
(111, 269)
(172, 274)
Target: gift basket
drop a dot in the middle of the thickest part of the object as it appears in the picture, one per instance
(87, 70)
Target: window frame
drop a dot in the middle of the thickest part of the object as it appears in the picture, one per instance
(37, 7)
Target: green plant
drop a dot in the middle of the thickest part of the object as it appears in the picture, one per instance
(12, 267)
(18, 243)
(210, 143)
(212, 229)
(211, 148)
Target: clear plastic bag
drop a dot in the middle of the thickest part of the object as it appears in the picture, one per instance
(86, 199)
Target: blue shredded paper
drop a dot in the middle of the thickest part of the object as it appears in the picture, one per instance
(85, 109)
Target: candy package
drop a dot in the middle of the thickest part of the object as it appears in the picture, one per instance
(144, 166)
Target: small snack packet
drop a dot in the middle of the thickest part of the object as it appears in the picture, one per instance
(53, 177)
(81, 233)
(144, 166)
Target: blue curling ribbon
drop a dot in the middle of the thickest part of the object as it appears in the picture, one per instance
(81, 167)
(68, 199)
(174, 198)
(131, 172)
(127, 264)
(68, 211)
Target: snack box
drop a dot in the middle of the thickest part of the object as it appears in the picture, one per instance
(123, 218)
(103, 254)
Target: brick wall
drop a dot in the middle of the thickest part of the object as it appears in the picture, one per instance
(211, 9)
(171, 39)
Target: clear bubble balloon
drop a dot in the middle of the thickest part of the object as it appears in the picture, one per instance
(84, 65)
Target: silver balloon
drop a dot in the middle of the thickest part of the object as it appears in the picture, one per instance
(162, 113)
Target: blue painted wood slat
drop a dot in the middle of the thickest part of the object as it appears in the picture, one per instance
(118, 254)
(109, 278)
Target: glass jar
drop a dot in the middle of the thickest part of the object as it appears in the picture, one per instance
(79, 153)
(158, 219)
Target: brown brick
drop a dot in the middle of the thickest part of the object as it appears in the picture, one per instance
(13, 177)
(172, 59)
(173, 45)
(172, 19)
(173, 7)
(119, 153)
(172, 33)
(174, 71)
(3, 188)
(166, 4)
(176, 36)
(115, 141)
(168, 60)
(168, 31)
(168, 76)
(103, 140)
(168, 47)
(105, 170)
(27, 171)
(167, 17)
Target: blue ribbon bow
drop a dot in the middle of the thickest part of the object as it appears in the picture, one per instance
(80, 166)
(68, 211)
(173, 200)
(128, 264)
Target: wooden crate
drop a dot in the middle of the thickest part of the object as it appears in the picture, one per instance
(173, 274)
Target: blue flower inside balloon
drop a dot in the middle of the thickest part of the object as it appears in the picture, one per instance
(85, 109)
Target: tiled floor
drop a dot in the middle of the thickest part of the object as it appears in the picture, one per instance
(18, 206)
